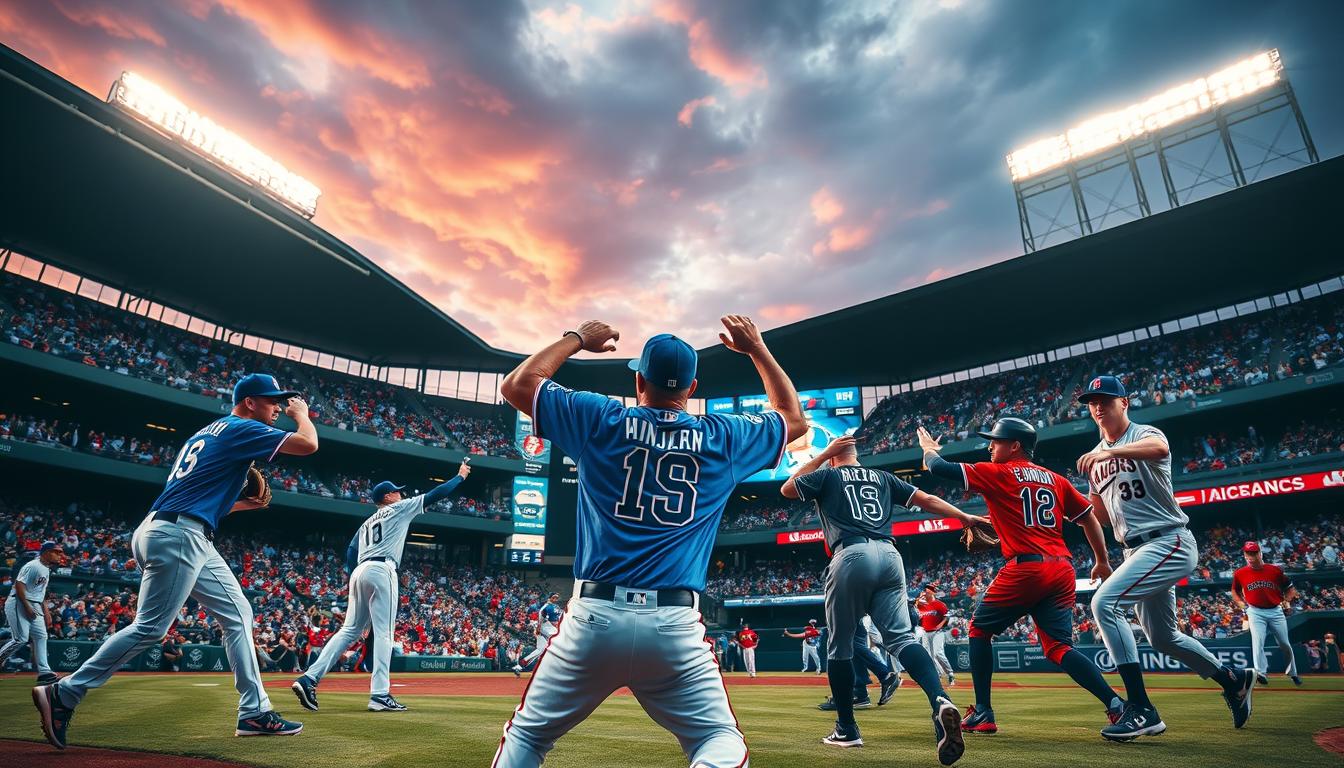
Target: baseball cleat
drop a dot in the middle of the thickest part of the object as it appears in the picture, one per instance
(517, 671)
(1261, 678)
(55, 716)
(385, 703)
(1116, 710)
(1296, 680)
(829, 704)
(864, 703)
(890, 684)
(5, 652)
(844, 736)
(979, 721)
(951, 680)
(306, 690)
(48, 678)
(267, 724)
(947, 732)
(1239, 698)
(1135, 722)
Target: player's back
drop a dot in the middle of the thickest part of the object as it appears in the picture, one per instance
(383, 534)
(853, 500)
(653, 482)
(209, 471)
(1028, 505)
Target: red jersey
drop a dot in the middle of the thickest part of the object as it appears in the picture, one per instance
(748, 639)
(1027, 505)
(810, 632)
(931, 614)
(1261, 587)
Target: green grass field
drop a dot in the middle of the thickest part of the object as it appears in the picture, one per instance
(193, 715)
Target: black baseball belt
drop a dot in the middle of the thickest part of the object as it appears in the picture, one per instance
(596, 590)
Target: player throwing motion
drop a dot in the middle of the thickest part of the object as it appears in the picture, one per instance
(548, 623)
(27, 613)
(932, 629)
(1129, 478)
(653, 483)
(811, 637)
(866, 575)
(373, 590)
(1027, 505)
(1265, 592)
(176, 551)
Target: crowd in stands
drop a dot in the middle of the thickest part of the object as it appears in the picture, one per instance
(51, 320)
(764, 516)
(1211, 453)
(71, 436)
(1241, 352)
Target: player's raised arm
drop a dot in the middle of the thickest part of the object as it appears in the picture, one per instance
(840, 444)
(521, 384)
(744, 337)
(304, 439)
(443, 490)
(936, 464)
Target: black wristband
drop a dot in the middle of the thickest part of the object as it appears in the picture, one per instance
(577, 335)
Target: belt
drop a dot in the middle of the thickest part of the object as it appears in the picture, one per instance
(1030, 558)
(852, 539)
(182, 517)
(378, 559)
(1135, 539)
(596, 590)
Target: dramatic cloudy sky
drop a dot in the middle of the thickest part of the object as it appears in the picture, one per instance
(525, 164)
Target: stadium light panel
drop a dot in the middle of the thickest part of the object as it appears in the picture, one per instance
(1166, 108)
(161, 109)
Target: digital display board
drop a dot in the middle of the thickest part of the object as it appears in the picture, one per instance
(830, 413)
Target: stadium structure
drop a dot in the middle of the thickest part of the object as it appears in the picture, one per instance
(1225, 315)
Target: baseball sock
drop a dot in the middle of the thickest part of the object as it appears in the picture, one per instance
(1135, 693)
(919, 664)
(982, 670)
(1228, 678)
(1086, 674)
(841, 678)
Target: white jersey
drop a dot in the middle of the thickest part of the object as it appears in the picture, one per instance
(384, 533)
(35, 577)
(1138, 494)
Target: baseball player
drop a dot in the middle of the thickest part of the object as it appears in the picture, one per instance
(811, 637)
(866, 575)
(870, 656)
(1129, 479)
(747, 640)
(374, 588)
(176, 551)
(1265, 592)
(27, 613)
(548, 623)
(1028, 505)
(932, 630)
(653, 483)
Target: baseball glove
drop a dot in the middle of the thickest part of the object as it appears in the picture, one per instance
(980, 538)
(256, 489)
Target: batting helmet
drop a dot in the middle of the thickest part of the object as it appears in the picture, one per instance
(1010, 428)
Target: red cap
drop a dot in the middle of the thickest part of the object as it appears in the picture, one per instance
(1250, 546)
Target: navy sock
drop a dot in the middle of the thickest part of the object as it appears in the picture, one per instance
(1228, 678)
(982, 671)
(841, 678)
(919, 664)
(1086, 674)
(1135, 693)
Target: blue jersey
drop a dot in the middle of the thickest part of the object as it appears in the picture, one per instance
(211, 468)
(551, 612)
(652, 483)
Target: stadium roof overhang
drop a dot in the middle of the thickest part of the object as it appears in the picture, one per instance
(93, 190)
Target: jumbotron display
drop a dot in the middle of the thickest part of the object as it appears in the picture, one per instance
(831, 413)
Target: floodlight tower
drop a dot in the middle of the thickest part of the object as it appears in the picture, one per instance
(1244, 108)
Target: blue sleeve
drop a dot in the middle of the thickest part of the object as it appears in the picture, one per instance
(440, 492)
(253, 440)
(352, 553)
(947, 470)
(568, 418)
(809, 485)
(755, 441)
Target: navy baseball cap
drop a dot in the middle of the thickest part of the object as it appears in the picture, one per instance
(47, 546)
(1103, 386)
(259, 385)
(382, 489)
(667, 362)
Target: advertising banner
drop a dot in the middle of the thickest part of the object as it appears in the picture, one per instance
(1256, 489)
(536, 451)
(899, 528)
(529, 504)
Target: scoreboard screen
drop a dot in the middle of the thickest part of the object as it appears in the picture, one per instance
(830, 413)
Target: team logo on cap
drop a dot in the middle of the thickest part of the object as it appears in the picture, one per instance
(1096, 383)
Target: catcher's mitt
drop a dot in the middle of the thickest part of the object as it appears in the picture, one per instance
(980, 538)
(256, 489)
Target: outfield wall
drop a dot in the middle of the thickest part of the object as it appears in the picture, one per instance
(66, 656)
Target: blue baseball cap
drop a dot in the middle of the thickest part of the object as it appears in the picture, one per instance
(667, 362)
(1103, 386)
(259, 385)
(47, 546)
(382, 489)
